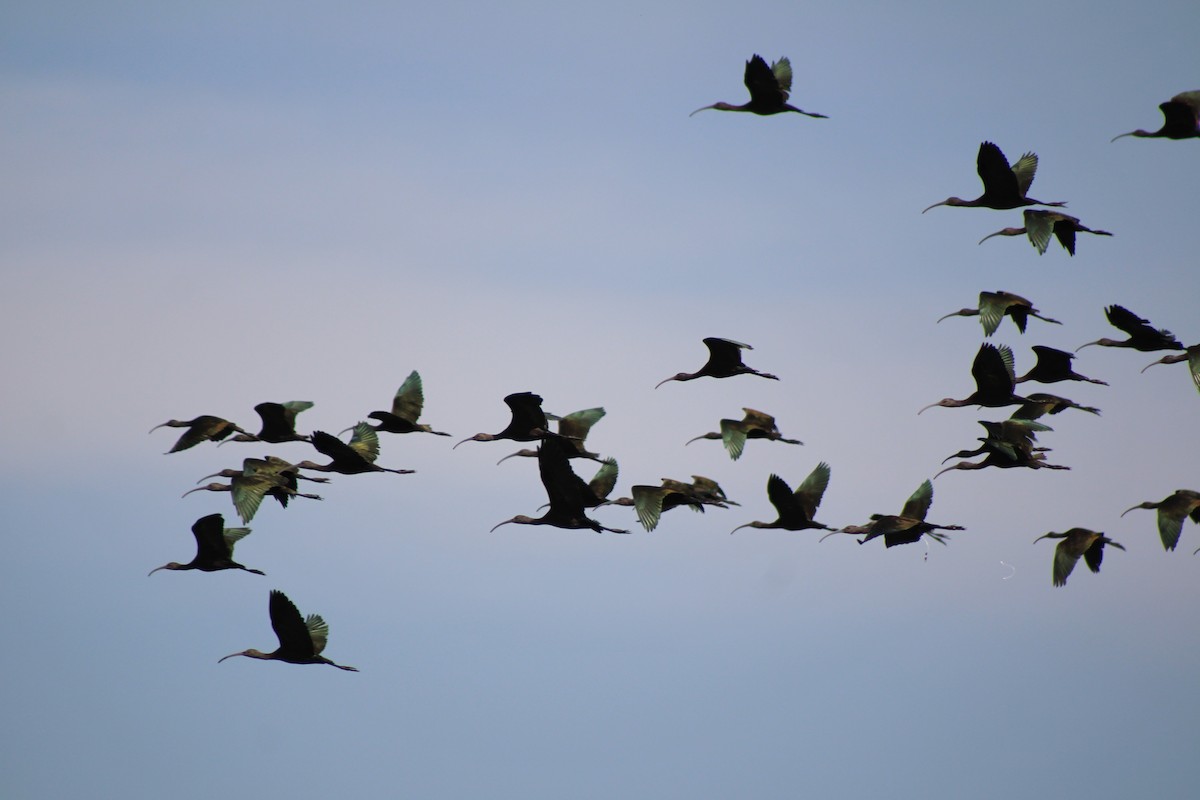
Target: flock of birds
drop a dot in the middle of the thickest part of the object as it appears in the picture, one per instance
(1008, 443)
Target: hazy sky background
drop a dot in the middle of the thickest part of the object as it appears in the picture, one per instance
(208, 207)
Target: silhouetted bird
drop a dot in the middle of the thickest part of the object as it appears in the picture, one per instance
(407, 406)
(993, 373)
(795, 509)
(769, 89)
(1054, 365)
(528, 421)
(1003, 186)
(907, 527)
(278, 423)
(1142, 336)
(204, 428)
(1181, 119)
(1039, 225)
(569, 496)
(754, 425)
(724, 361)
(350, 459)
(995, 306)
(1039, 404)
(1179, 505)
(574, 428)
(214, 547)
(301, 640)
(1075, 543)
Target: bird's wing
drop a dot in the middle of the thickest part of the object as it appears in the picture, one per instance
(993, 169)
(781, 496)
(527, 412)
(1094, 554)
(410, 398)
(1039, 226)
(917, 506)
(1182, 112)
(210, 545)
(318, 632)
(248, 492)
(810, 492)
(734, 437)
(1064, 562)
(992, 369)
(648, 502)
(577, 424)
(232, 536)
(782, 69)
(762, 83)
(365, 442)
(565, 490)
(760, 420)
(1194, 364)
(991, 311)
(289, 626)
(605, 479)
(1170, 526)
(1024, 170)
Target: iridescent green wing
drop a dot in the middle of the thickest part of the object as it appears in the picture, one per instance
(782, 70)
(365, 442)
(917, 506)
(233, 535)
(1039, 226)
(318, 631)
(410, 398)
(734, 437)
(248, 492)
(810, 492)
(1024, 170)
(576, 425)
(991, 311)
(647, 501)
(605, 479)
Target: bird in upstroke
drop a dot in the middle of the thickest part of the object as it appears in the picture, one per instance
(301, 639)
(724, 361)
(769, 89)
(1003, 186)
(214, 547)
(796, 509)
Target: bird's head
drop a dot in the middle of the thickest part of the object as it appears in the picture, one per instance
(211, 487)
(754, 524)
(1004, 232)
(1146, 504)
(949, 201)
(1139, 132)
(251, 653)
(169, 565)
(681, 376)
(947, 402)
(479, 437)
(525, 453)
(520, 519)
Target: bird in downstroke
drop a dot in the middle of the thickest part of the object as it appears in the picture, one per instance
(1075, 543)
(1191, 355)
(204, 428)
(1142, 335)
(754, 425)
(1040, 225)
(995, 306)
(1172, 511)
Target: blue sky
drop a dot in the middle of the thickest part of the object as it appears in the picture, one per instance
(211, 207)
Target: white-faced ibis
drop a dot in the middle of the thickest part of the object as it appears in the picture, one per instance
(796, 509)
(1075, 543)
(754, 425)
(1179, 505)
(1039, 404)
(248, 489)
(1181, 119)
(214, 547)
(650, 502)
(350, 459)
(995, 306)
(1142, 336)
(1054, 365)
(1191, 355)
(993, 373)
(204, 428)
(528, 421)
(724, 361)
(278, 423)
(769, 89)
(1009, 444)
(301, 640)
(1039, 225)
(574, 428)
(907, 527)
(407, 406)
(569, 496)
(1003, 186)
